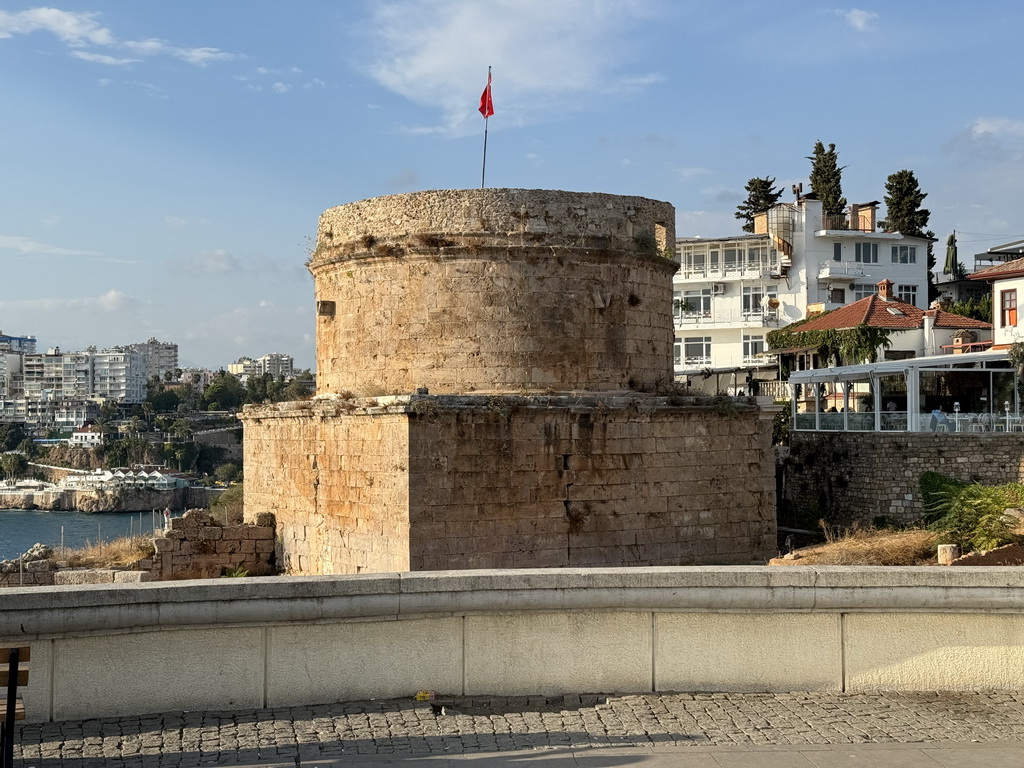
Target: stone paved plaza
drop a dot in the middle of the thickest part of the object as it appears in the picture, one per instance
(683, 723)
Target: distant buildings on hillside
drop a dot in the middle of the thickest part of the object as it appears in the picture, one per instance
(275, 363)
(64, 390)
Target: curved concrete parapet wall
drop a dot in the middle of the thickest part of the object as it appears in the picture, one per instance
(245, 643)
(494, 290)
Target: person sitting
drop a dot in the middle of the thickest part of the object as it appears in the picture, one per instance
(939, 418)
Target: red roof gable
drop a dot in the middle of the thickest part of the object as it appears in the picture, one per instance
(996, 271)
(892, 314)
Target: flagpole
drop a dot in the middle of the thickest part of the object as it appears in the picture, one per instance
(483, 171)
(486, 108)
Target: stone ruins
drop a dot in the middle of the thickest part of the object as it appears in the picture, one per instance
(489, 364)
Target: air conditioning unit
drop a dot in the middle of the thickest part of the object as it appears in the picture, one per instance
(717, 289)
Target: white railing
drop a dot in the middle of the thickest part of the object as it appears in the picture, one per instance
(728, 318)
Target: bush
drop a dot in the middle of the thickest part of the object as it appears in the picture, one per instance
(974, 516)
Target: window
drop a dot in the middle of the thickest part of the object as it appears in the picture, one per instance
(1008, 308)
(733, 259)
(697, 350)
(837, 251)
(757, 255)
(862, 290)
(837, 296)
(907, 293)
(677, 353)
(677, 304)
(752, 345)
(696, 303)
(866, 253)
(904, 254)
(754, 297)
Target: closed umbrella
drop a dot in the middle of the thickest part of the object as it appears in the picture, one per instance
(951, 259)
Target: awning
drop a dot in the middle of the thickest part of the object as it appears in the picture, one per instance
(867, 371)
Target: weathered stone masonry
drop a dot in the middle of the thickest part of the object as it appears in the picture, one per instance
(464, 482)
(482, 363)
(857, 477)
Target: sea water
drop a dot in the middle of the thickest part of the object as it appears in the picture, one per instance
(21, 528)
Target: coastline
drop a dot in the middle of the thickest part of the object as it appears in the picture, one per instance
(114, 500)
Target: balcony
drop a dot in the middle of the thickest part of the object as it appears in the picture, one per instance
(756, 271)
(838, 270)
(728, 319)
(839, 222)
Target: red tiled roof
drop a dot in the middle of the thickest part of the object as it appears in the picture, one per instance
(893, 314)
(1006, 269)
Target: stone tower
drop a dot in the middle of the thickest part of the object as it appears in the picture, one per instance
(487, 363)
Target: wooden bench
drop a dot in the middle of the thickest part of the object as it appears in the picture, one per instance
(13, 675)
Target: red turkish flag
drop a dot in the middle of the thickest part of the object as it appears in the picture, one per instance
(486, 105)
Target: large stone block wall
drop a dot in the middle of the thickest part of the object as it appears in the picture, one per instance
(334, 475)
(624, 481)
(494, 290)
(512, 482)
(857, 477)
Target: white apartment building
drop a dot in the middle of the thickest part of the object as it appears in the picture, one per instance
(730, 292)
(158, 356)
(119, 375)
(56, 375)
(277, 364)
(10, 374)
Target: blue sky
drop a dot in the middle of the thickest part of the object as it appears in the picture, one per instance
(164, 164)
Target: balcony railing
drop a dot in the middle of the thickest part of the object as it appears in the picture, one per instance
(745, 271)
(760, 319)
(841, 221)
(837, 269)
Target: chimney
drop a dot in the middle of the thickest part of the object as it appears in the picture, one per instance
(884, 289)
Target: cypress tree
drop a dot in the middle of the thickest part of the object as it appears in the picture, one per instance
(761, 195)
(827, 179)
(903, 211)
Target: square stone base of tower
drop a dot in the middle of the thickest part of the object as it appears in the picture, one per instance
(427, 483)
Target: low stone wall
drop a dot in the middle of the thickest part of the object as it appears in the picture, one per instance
(113, 500)
(195, 547)
(229, 644)
(860, 476)
(198, 547)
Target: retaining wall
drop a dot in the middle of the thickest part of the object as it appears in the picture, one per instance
(856, 477)
(104, 651)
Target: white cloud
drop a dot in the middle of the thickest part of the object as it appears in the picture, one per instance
(200, 57)
(72, 28)
(102, 58)
(107, 303)
(548, 58)
(280, 87)
(216, 262)
(997, 126)
(690, 173)
(860, 20)
(316, 82)
(79, 30)
(27, 245)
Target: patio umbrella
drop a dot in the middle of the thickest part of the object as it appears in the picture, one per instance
(951, 260)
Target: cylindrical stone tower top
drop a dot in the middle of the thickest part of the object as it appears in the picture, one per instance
(494, 290)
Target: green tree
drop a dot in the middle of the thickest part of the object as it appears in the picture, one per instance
(827, 179)
(224, 391)
(903, 211)
(228, 473)
(10, 436)
(761, 195)
(181, 428)
(13, 465)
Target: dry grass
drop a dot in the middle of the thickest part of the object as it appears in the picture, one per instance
(860, 546)
(122, 552)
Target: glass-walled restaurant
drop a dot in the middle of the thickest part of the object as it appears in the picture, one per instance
(973, 392)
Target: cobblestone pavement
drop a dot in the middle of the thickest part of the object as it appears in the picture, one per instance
(305, 735)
